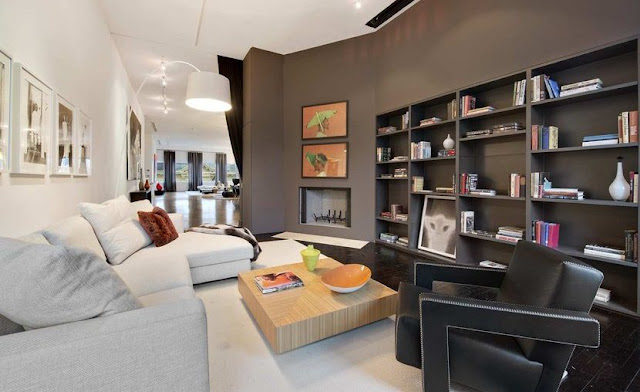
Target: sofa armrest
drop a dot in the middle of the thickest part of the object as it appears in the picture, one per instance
(177, 220)
(160, 348)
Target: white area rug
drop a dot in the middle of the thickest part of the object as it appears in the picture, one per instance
(193, 193)
(240, 359)
(320, 239)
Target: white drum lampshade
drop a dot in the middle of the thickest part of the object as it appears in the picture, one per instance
(209, 92)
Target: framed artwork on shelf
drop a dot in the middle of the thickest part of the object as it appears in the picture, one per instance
(63, 137)
(325, 121)
(82, 145)
(134, 147)
(5, 104)
(31, 135)
(328, 160)
(438, 227)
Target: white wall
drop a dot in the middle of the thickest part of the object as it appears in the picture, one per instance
(66, 43)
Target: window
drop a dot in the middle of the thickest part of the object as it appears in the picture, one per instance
(232, 172)
(208, 171)
(182, 172)
(160, 171)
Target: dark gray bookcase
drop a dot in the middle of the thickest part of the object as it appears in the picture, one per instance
(597, 219)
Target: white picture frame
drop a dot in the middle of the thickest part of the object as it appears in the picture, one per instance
(438, 227)
(5, 109)
(31, 129)
(83, 147)
(63, 137)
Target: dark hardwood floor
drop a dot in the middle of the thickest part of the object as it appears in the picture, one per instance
(614, 367)
(199, 209)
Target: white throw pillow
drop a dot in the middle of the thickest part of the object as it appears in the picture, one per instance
(119, 234)
(76, 232)
(140, 205)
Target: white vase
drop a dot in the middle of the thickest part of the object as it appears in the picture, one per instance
(619, 188)
(448, 143)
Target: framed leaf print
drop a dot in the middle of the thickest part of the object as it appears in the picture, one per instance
(325, 121)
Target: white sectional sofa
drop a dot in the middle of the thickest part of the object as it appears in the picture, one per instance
(161, 347)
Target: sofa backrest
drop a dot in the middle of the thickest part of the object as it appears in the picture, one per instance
(76, 232)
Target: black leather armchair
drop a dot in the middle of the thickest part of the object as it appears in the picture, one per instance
(521, 342)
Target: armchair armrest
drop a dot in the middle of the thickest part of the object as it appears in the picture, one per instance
(159, 348)
(426, 273)
(443, 312)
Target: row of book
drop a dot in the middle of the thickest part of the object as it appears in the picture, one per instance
(405, 120)
(468, 182)
(544, 137)
(401, 172)
(628, 127)
(517, 185)
(467, 102)
(510, 233)
(634, 185)
(417, 184)
(467, 221)
(542, 87)
(384, 130)
(545, 233)
(600, 140)
(580, 87)
(430, 121)
(519, 90)
(383, 154)
(394, 239)
(629, 253)
(420, 150)
(496, 130)
(447, 153)
(452, 109)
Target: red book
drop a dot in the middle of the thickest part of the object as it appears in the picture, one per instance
(539, 232)
(633, 126)
(554, 235)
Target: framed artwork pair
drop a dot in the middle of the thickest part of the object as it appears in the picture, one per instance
(325, 121)
(40, 132)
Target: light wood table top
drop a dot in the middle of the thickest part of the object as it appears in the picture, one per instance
(299, 316)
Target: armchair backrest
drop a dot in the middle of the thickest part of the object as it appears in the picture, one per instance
(543, 277)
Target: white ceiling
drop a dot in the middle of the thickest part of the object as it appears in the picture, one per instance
(197, 31)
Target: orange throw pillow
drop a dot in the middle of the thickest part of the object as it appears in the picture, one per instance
(158, 225)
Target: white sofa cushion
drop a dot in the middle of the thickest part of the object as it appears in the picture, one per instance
(168, 296)
(76, 232)
(151, 270)
(140, 205)
(206, 249)
(119, 234)
(176, 219)
(34, 238)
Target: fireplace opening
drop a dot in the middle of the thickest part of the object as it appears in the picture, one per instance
(325, 206)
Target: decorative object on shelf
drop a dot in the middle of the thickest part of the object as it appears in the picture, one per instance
(619, 188)
(30, 138)
(347, 278)
(448, 143)
(310, 257)
(147, 186)
(325, 160)
(5, 99)
(325, 120)
(134, 148)
(82, 146)
(438, 227)
(63, 136)
(141, 183)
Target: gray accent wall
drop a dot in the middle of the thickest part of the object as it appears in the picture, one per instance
(434, 47)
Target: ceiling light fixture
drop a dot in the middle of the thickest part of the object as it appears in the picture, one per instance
(358, 4)
(206, 91)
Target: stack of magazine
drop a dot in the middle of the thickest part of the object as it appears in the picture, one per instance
(269, 283)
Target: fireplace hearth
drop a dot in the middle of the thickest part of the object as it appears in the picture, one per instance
(325, 206)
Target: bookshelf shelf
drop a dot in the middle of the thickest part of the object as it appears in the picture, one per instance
(587, 148)
(582, 255)
(496, 197)
(604, 92)
(500, 135)
(394, 133)
(391, 162)
(591, 202)
(453, 158)
(495, 157)
(392, 178)
(435, 125)
(380, 218)
(485, 238)
(495, 112)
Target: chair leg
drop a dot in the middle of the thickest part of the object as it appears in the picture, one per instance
(435, 359)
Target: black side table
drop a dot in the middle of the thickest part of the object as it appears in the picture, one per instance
(140, 195)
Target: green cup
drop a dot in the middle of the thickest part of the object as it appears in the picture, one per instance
(310, 257)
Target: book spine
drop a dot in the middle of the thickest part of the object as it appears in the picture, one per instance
(553, 138)
(516, 91)
(534, 137)
(619, 128)
(581, 84)
(625, 127)
(506, 238)
(635, 189)
(545, 138)
(633, 126)
(635, 247)
(628, 244)
(523, 186)
(631, 186)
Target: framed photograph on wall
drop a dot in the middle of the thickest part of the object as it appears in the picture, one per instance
(63, 137)
(134, 148)
(30, 137)
(325, 120)
(438, 227)
(82, 145)
(329, 160)
(5, 104)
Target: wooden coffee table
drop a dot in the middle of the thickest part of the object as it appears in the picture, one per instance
(295, 317)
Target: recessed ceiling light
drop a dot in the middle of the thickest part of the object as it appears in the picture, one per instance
(358, 4)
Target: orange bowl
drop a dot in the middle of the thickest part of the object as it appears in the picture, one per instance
(347, 278)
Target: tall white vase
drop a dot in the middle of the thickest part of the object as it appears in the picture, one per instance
(619, 188)
(448, 143)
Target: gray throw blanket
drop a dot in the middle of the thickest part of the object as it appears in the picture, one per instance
(240, 232)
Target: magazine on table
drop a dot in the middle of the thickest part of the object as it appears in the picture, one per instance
(269, 283)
